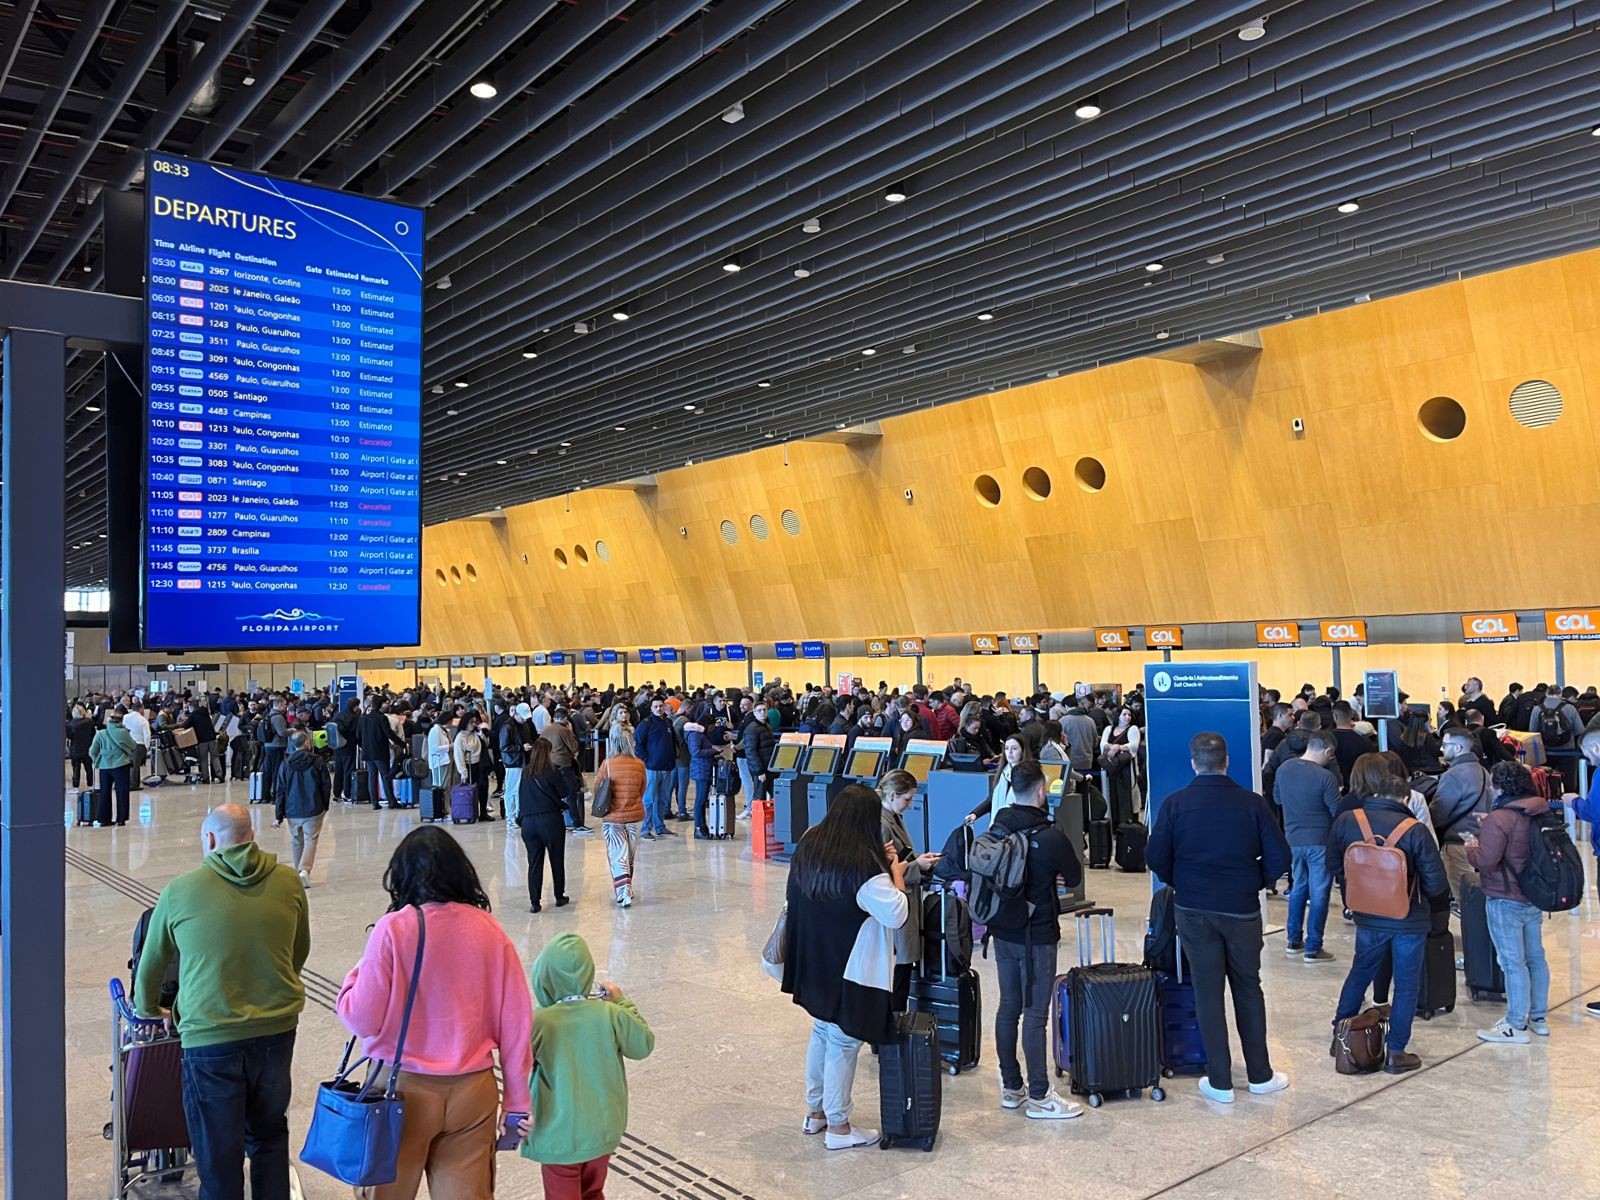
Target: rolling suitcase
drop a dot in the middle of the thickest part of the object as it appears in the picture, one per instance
(720, 816)
(951, 994)
(1114, 1021)
(85, 808)
(1436, 992)
(434, 804)
(909, 1091)
(1130, 841)
(405, 792)
(1099, 843)
(1182, 1048)
(362, 791)
(464, 804)
(255, 787)
(1485, 979)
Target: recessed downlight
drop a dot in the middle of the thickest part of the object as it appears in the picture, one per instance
(734, 113)
(1595, 132)
(91, 408)
(868, 352)
(731, 264)
(689, 408)
(462, 382)
(1253, 31)
(499, 462)
(1217, 259)
(484, 88)
(564, 445)
(450, 412)
(443, 283)
(802, 272)
(763, 383)
(986, 315)
(1162, 335)
(1153, 267)
(1089, 109)
(1349, 206)
(812, 225)
(620, 428)
(896, 194)
(619, 314)
(530, 353)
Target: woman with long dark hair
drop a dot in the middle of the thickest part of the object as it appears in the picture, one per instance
(1014, 753)
(540, 805)
(845, 899)
(1119, 752)
(472, 1000)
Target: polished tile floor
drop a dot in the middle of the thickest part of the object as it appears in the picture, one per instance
(716, 1111)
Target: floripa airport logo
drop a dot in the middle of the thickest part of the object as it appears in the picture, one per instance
(289, 620)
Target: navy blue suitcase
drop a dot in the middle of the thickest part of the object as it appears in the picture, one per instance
(1182, 1050)
(909, 1093)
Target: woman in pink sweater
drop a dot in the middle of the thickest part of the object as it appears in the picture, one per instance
(472, 1002)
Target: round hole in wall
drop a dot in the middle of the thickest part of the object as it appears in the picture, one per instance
(561, 558)
(1090, 474)
(455, 574)
(1442, 418)
(1535, 404)
(790, 520)
(582, 555)
(602, 552)
(987, 489)
(472, 573)
(1036, 482)
(438, 576)
(758, 526)
(730, 532)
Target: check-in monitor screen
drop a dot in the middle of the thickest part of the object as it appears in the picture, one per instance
(786, 757)
(821, 760)
(864, 764)
(919, 765)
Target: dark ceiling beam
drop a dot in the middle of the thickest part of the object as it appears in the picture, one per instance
(16, 30)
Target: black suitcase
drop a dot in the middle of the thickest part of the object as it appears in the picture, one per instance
(1099, 843)
(909, 1091)
(85, 808)
(955, 1002)
(1436, 991)
(1130, 842)
(363, 788)
(1485, 979)
(435, 803)
(1114, 1022)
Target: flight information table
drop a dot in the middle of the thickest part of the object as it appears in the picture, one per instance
(283, 395)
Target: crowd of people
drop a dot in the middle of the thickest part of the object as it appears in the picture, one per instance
(1449, 795)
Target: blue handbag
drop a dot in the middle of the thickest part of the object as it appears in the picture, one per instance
(355, 1128)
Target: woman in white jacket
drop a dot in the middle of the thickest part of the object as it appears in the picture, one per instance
(440, 760)
(471, 761)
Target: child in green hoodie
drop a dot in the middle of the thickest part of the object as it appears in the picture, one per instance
(579, 1085)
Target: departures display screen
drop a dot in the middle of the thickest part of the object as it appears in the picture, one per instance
(283, 414)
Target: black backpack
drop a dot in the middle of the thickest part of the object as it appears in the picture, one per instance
(1553, 879)
(1161, 940)
(1554, 727)
(946, 933)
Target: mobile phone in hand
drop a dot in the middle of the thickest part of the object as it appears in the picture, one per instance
(510, 1135)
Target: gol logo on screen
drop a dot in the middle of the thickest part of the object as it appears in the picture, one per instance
(1111, 639)
(1573, 625)
(986, 643)
(910, 647)
(1352, 632)
(1272, 635)
(877, 647)
(1164, 637)
(1024, 643)
(1477, 628)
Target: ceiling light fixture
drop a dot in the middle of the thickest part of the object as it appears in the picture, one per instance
(462, 474)
(986, 315)
(462, 382)
(619, 314)
(734, 113)
(1153, 267)
(1253, 31)
(564, 445)
(1595, 132)
(483, 88)
(896, 194)
(802, 272)
(621, 428)
(438, 389)
(912, 349)
(1363, 297)
(763, 383)
(731, 264)
(450, 412)
(689, 408)
(444, 283)
(583, 327)
(499, 462)
(1162, 335)
(1349, 206)
(530, 353)
(1217, 259)
(91, 408)
(812, 225)
(869, 352)
(1089, 109)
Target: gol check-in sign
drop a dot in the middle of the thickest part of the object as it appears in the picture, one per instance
(986, 643)
(1275, 635)
(878, 647)
(1112, 639)
(1573, 625)
(909, 647)
(1478, 628)
(1349, 632)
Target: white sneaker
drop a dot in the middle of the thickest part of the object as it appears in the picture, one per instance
(742, 816)
(814, 1125)
(1538, 1025)
(1220, 1095)
(849, 1141)
(1277, 1083)
(1012, 1097)
(305, 878)
(1053, 1108)
(1592, 1008)
(627, 899)
(1503, 1034)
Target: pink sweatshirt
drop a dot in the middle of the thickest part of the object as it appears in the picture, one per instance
(472, 998)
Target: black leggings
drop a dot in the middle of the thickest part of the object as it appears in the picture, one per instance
(542, 834)
(83, 762)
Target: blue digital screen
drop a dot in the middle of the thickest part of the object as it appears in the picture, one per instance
(785, 650)
(711, 653)
(283, 393)
(647, 656)
(669, 654)
(737, 654)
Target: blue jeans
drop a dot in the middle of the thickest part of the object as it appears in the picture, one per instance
(680, 790)
(1311, 880)
(236, 1100)
(749, 784)
(1517, 931)
(702, 793)
(1372, 946)
(657, 795)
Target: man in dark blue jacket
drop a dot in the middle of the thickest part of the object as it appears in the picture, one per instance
(656, 744)
(300, 796)
(1378, 937)
(1217, 844)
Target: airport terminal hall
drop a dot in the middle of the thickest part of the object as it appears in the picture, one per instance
(799, 599)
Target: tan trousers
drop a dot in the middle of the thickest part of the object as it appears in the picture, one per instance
(450, 1133)
(1457, 870)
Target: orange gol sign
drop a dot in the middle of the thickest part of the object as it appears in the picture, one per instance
(1024, 643)
(1273, 635)
(910, 647)
(1164, 637)
(1349, 632)
(877, 647)
(986, 643)
(1112, 639)
(1573, 625)
(1477, 628)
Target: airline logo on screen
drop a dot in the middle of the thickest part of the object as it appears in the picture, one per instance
(1164, 637)
(878, 647)
(910, 647)
(1478, 628)
(1024, 643)
(1274, 635)
(985, 643)
(1112, 639)
(289, 619)
(1351, 632)
(1573, 625)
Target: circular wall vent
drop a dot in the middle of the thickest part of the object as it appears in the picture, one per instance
(1535, 404)
(1090, 474)
(758, 526)
(602, 552)
(582, 555)
(455, 574)
(730, 532)
(561, 558)
(987, 489)
(1442, 418)
(1036, 482)
(472, 573)
(438, 575)
(790, 520)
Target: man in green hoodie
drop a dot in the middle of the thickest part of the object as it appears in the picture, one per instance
(580, 1089)
(238, 924)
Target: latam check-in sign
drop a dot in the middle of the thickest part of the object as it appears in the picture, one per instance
(1573, 625)
(1112, 639)
(1348, 632)
(1024, 643)
(986, 643)
(878, 647)
(1478, 628)
(1164, 637)
(1276, 635)
(909, 647)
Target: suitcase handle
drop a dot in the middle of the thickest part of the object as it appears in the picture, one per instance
(1108, 934)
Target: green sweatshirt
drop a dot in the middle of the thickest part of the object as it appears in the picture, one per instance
(580, 1090)
(239, 925)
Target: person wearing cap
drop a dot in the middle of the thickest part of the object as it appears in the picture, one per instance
(517, 736)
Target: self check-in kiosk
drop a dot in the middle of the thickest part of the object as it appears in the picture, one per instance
(822, 767)
(952, 794)
(789, 791)
(922, 758)
(867, 761)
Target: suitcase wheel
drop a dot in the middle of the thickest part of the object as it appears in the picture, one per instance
(1096, 1099)
(954, 1069)
(1167, 1072)
(1158, 1094)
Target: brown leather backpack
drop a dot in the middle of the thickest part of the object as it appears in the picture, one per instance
(1376, 871)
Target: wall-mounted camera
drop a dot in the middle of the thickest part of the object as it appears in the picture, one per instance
(1298, 426)
(909, 497)
(683, 531)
